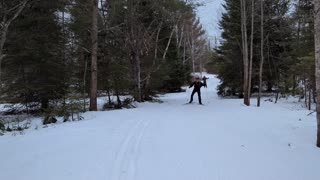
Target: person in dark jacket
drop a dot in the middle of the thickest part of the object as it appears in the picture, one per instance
(204, 79)
(197, 86)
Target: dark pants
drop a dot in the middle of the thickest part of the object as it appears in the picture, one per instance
(199, 95)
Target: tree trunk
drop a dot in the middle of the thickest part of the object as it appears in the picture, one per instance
(294, 85)
(44, 104)
(245, 51)
(109, 96)
(251, 49)
(138, 77)
(94, 51)
(136, 69)
(84, 86)
(184, 51)
(298, 38)
(262, 54)
(277, 97)
(314, 96)
(3, 36)
(119, 104)
(309, 99)
(168, 45)
(192, 52)
(148, 77)
(305, 91)
(317, 52)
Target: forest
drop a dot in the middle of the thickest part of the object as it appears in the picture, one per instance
(279, 50)
(57, 57)
(159, 89)
(269, 51)
(56, 54)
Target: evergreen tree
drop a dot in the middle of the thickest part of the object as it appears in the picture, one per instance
(35, 70)
(302, 69)
(278, 37)
(228, 62)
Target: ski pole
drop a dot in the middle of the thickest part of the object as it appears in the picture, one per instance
(207, 95)
(187, 94)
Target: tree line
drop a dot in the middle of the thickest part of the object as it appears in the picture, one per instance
(59, 53)
(54, 55)
(268, 48)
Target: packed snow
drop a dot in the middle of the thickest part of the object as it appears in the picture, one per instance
(171, 141)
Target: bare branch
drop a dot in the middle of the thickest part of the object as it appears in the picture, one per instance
(168, 44)
(22, 5)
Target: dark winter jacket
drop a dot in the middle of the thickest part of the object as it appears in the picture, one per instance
(205, 81)
(197, 85)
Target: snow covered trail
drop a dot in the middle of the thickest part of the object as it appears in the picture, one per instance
(223, 140)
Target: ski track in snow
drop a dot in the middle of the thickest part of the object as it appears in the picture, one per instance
(125, 163)
(223, 140)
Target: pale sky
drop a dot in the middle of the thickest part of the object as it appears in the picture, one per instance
(209, 15)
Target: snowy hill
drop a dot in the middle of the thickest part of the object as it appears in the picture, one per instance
(171, 141)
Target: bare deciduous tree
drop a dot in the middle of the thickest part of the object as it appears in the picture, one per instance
(317, 52)
(251, 48)
(94, 50)
(262, 53)
(8, 14)
(245, 51)
(195, 42)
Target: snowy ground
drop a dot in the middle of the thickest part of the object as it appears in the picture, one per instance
(223, 140)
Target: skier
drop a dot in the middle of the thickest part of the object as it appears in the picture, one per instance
(197, 86)
(205, 81)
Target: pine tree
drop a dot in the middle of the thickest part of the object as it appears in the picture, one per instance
(228, 62)
(35, 70)
(303, 67)
(79, 26)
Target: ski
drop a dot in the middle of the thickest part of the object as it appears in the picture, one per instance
(194, 103)
(187, 103)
